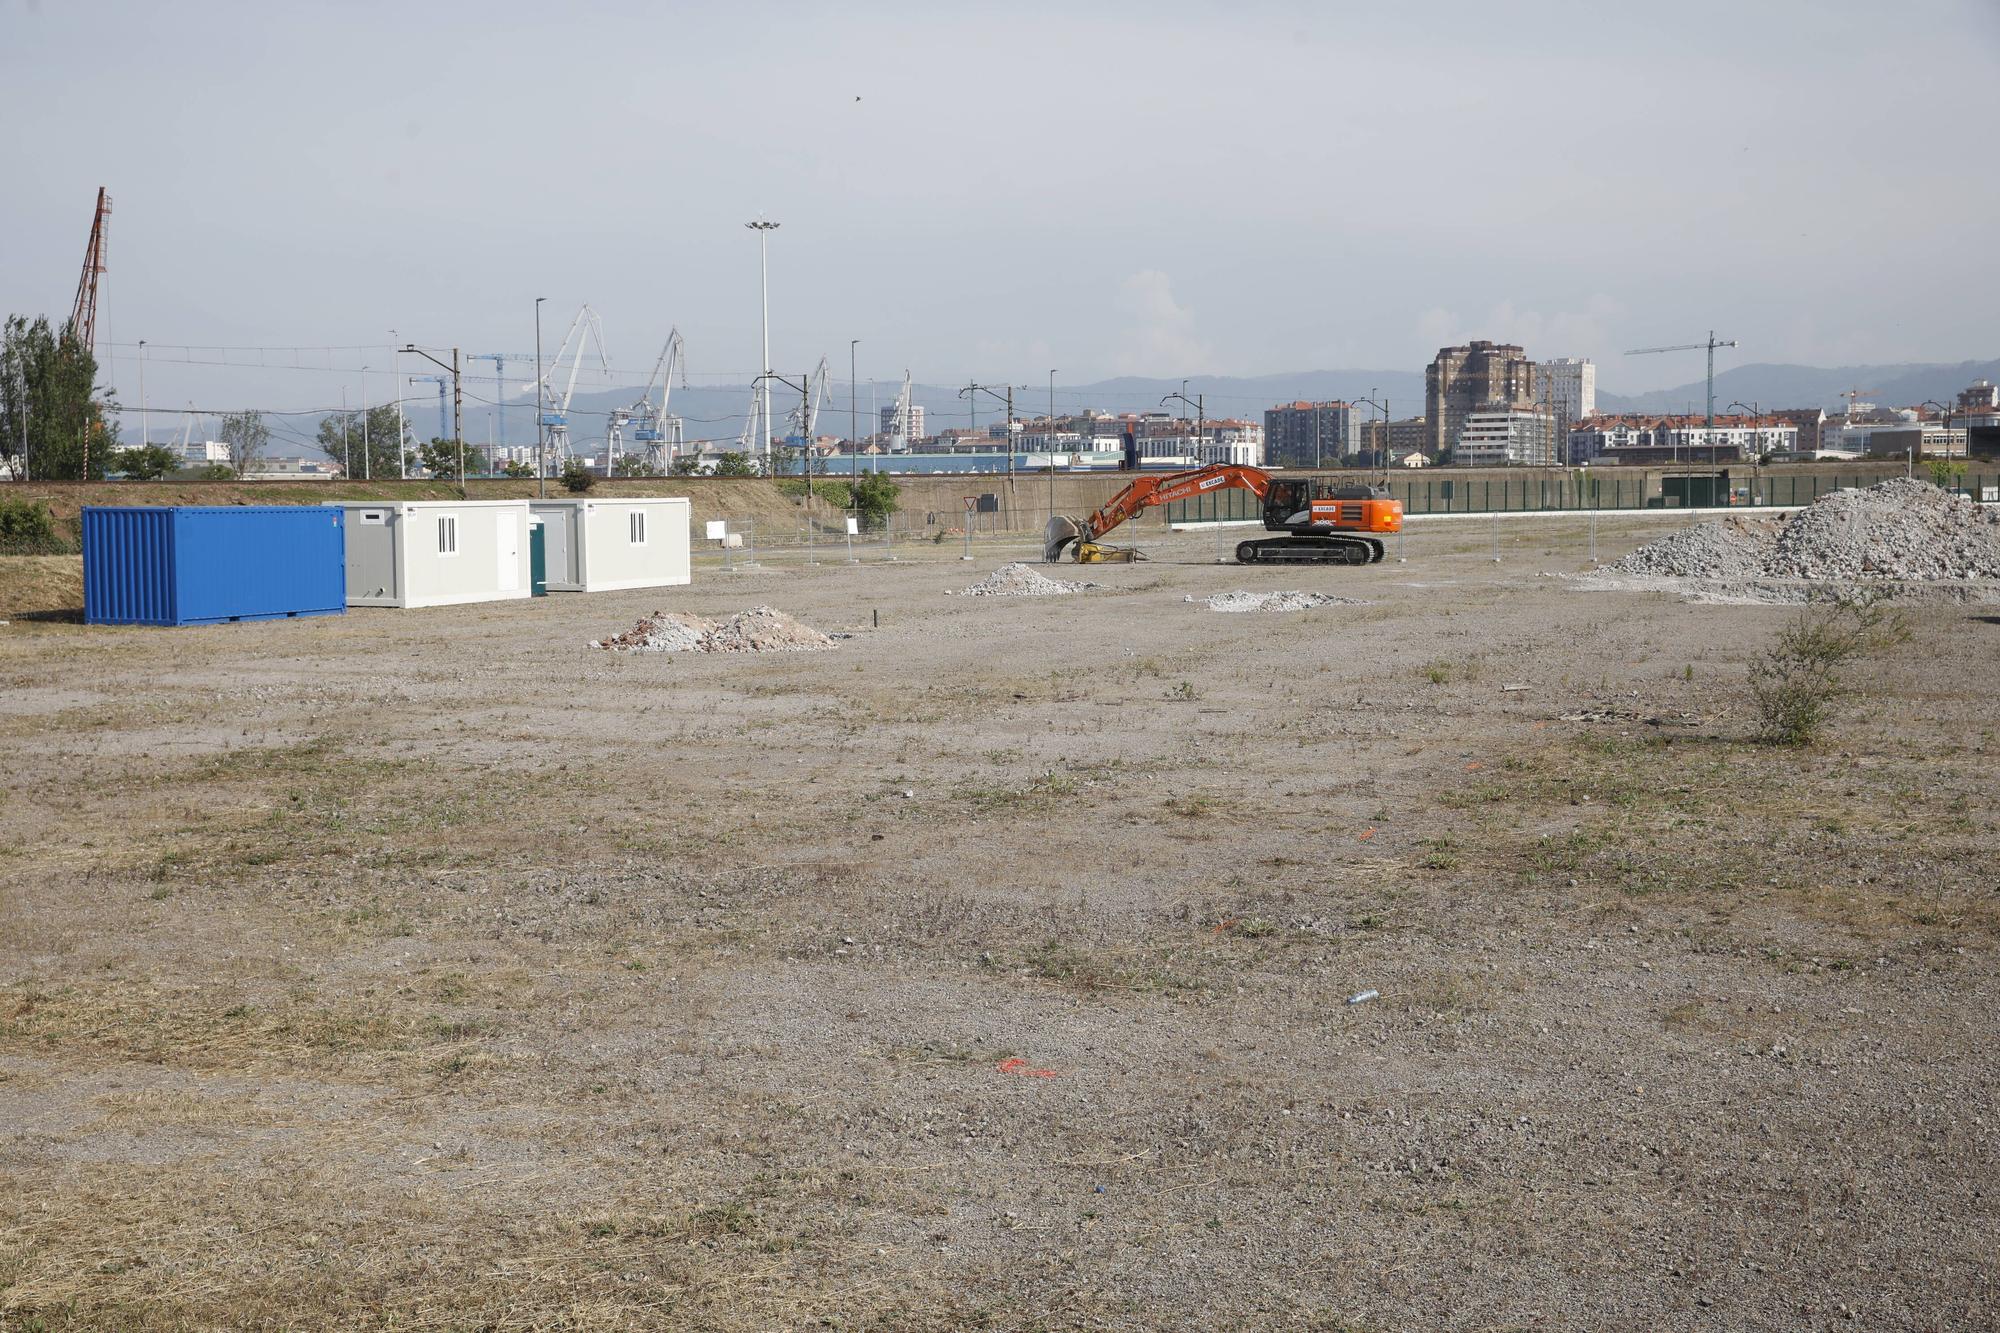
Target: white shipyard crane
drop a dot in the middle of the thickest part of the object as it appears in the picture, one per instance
(655, 428)
(805, 417)
(899, 430)
(555, 411)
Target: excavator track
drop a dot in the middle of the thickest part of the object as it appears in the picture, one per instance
(1330, 550)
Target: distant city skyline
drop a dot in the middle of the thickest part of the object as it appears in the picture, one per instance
(1159, 189)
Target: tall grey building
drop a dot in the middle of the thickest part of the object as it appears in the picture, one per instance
(1477, 377)
(1309, 434)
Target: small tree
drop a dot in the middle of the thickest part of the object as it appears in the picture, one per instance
(440, 458)
(1946, 476)
(874, 500)
(687, 465)
(1796, 685)
(247, 437)
(638, 465)
(364, 443)
(516, 469)
(575, 477)
(734, 464)
(148, 462)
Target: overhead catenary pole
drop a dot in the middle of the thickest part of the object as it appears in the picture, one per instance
(853, 412)
(145, 435)
(346, 454)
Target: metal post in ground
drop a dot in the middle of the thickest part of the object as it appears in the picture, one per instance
(1593, 536)
(752, 540)
(1495, 521)
(1402, 532)
(853, 522)
(728, 562)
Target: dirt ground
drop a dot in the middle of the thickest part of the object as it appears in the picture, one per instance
(431, 970)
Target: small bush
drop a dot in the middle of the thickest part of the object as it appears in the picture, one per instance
(1796, 685)
(28, 528)
(575, 477)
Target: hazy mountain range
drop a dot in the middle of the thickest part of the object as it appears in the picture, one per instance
(717, 413)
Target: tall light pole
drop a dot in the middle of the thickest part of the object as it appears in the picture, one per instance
(853, 411)
(764, 230)
(1909, 467)
(541, 471)
(367, 449)
(1052, 443)
(402, 463)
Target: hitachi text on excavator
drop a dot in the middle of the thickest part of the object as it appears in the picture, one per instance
(1323, 522)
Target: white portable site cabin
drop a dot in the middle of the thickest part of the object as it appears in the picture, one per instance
(605, 545)
(436, 552)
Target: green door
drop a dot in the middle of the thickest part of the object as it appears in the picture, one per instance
(538, 559)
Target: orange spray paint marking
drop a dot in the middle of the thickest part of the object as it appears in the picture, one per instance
(1014, 1064)
(1364, 835)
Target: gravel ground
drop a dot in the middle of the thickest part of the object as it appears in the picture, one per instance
(429, 969)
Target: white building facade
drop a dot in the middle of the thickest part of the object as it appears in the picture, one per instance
(1508, 438)
(1568, 389)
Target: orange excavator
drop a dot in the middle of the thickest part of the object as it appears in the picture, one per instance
(1323, 522)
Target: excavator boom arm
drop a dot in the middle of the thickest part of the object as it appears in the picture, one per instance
(1145, 492)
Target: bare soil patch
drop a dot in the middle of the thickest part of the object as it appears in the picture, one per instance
(430, 969)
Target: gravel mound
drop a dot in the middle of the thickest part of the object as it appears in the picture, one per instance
(1018, 580)
(1731, 548)
(1275, 601)
(1901, 529)
(761, 629)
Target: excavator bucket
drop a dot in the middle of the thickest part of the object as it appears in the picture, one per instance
(1057, 536)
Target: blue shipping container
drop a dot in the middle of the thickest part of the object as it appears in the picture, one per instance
(208, 564)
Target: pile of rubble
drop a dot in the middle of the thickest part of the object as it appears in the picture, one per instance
(1275, 601)
(1018, 580)
(1734, 547)
(761, 629)
(1903, 529)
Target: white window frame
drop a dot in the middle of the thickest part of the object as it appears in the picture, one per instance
(635, 527)
(447, 528)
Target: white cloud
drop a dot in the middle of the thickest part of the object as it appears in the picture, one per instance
(1159, 338)
(1587, 332)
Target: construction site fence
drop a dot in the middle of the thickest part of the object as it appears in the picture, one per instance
(1537, 494)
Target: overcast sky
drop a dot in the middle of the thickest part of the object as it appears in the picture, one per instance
(1152, 187)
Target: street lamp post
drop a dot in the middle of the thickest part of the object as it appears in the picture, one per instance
(764, 230)
(145, 435)
(1200, 414)
(367, 449)
(1756, 443)
(853, 411)
(1051, 443)
(1943, 411)
(541, 468)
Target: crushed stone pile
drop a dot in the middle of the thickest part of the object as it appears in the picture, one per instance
(1274, 601)
(1018, 580)
(1901, 529)
(1728, 549)
(761, 629)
